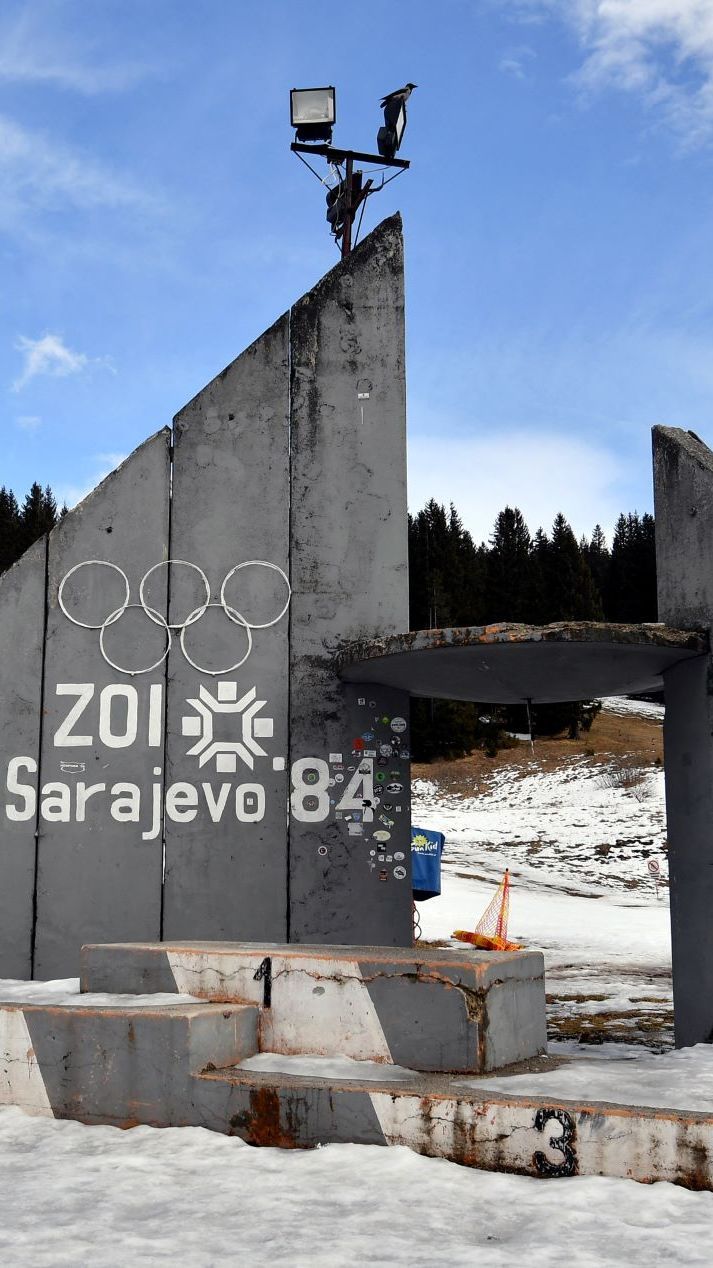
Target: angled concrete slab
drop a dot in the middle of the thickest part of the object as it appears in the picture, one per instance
(226, 849)
(22, 631)
(350, 580)
(100, 825)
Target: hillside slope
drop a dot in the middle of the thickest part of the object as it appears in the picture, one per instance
(577, 823)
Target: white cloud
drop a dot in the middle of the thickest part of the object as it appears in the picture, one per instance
(31, 52)
(47, 356)
(514, 61)
(659, 49)
(28, 422)
(541, 474)
(37, 173)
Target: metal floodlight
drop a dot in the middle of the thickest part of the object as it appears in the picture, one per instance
(389, 137)
(313, 113)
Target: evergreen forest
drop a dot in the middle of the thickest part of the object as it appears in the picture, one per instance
(20, 526)
(519, 576)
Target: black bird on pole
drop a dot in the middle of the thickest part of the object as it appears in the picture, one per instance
(400, 94)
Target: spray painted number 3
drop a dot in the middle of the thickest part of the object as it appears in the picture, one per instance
(562, 1144)
(310, 801)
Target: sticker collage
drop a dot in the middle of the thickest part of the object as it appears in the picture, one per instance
(375, 806)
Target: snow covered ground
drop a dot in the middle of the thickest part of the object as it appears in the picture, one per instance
(578, 840)
(75, 1195)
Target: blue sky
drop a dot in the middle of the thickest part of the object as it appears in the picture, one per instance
(557, 215)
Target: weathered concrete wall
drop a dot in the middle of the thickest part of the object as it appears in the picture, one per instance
(275, 797)
(349, 579)
(688, 748)
(683, 500)
(99, 861)
(22, 628)
(226, 861)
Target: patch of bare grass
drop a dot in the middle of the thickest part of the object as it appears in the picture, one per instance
(631, 740)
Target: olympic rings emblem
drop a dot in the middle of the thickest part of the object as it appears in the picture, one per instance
(179, 627)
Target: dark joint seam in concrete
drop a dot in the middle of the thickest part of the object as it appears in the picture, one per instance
(164, 747)
(33, 930)
(288, 816)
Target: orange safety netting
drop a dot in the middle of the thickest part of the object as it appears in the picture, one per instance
(491, 931)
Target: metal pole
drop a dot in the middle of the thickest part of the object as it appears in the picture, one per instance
(349, 217)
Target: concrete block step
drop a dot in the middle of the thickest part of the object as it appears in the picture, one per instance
(424, 1008)
(446, 1117)
(117, 1064)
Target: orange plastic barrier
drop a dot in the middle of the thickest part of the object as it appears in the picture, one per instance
(491, 931)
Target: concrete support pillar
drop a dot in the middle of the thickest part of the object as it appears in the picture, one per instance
(683, 493)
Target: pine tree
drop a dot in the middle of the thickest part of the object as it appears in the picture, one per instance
(631, 590)
(571, 593)
(508, 572)
(537, 596)
(10, 548)
(646, 570)
(38, 515)
(596, 552)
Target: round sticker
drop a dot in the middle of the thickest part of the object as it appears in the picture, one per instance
(338, 779)
(400, 873)
(399, 856)
(380, 777)
(358, 744)
(381, 835)
(385, 750)
(398, 725)
(311, 777)
(393, 788)
(322, 849)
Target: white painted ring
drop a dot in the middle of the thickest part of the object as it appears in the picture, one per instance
(196, 614)
(237, 619)
(256, 563)
(113, 616)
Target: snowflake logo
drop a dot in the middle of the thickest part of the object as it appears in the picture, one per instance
(226, 753)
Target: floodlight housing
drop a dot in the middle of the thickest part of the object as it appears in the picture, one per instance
(313, 112)
(389, 137)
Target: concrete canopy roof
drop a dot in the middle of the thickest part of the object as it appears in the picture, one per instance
(508, 664)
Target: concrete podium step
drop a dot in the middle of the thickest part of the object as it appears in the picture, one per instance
(166, 1059)
(122, 1064)
(465, 1121)
(425, 1008)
